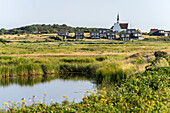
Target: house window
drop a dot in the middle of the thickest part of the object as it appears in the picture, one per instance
(161, 31)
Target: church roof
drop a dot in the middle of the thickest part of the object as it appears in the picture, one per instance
(124, 25)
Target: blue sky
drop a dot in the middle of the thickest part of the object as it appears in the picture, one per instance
(142, 14)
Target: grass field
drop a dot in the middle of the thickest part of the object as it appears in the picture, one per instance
(120, 66)
(27, 59)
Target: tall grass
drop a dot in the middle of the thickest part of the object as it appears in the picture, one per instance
(111, 73)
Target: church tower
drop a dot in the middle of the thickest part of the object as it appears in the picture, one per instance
(118, 20)
(118, 27)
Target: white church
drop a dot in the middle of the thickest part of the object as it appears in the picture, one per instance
(118, 27)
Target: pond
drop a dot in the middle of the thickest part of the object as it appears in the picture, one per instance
(55, 88)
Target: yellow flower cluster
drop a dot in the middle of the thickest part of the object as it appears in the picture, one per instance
(5, 104)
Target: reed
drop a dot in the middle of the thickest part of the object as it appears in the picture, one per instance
(111, 73)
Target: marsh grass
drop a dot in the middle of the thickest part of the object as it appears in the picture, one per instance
(102, 68)
(112, 72)
(79, 60)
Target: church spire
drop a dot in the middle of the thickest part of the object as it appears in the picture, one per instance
(118, 18)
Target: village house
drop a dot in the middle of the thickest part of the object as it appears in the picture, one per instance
(124, 36)
(159, 33)
(102, 32)
(110, 35)
(153, 30)
(131, 34)
(118, 27)
(95, 35)
(168, 32)
(79, 35)
(63, 34)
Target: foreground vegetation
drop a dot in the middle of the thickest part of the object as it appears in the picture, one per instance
(147, 92)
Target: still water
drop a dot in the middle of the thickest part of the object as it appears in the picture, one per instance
(55, 88)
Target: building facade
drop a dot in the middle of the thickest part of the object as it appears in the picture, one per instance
(79, 35)
(95, 35)
(131, 34)
(63, 34)
(118, 27)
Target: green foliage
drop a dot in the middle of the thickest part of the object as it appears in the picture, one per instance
(160, 54)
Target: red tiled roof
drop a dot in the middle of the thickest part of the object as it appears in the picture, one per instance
(153, 30)
(123, 25)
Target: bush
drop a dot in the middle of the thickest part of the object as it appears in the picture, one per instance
(160, 54)
(56, 38)
(101, 58)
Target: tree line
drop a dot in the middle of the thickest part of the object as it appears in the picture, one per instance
(45, 29)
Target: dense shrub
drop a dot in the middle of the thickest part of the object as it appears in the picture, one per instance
(160, 54)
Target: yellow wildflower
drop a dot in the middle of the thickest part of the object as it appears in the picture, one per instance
(18, 102)
(137, 90)
(87, 91)
(136, 79)
(23, 101)
(102, 96)
(104, 88)
(45, 93)
(5, 104)
(64, 96)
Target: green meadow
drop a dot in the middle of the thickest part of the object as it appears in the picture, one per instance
(132, 76)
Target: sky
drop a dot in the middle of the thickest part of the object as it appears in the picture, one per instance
(141, 14)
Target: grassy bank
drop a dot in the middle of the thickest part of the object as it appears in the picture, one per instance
(101, 68)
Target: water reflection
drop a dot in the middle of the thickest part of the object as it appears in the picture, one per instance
(74, 86)
(33, 80)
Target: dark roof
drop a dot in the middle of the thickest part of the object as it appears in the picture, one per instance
(79, 32)
(124, 25)
(94, 32)
(131, 29)
(112, 27)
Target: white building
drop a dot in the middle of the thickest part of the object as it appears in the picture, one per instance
(118, 27)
